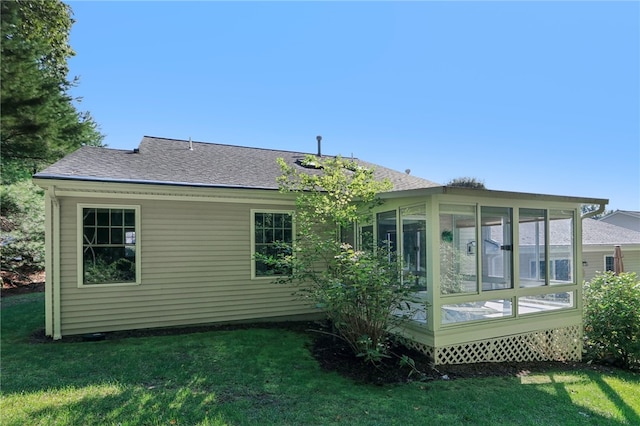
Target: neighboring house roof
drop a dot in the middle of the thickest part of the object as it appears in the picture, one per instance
(596, 232)
(631, 213)
(626, 218)
(170, 161)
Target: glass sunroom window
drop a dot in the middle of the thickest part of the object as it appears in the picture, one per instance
(474, 311)
(414, 246)
(561, 246)
(458, 267)
(108, 245)
(531, 245)
(387, 232)
(496, 248)
(546, 302)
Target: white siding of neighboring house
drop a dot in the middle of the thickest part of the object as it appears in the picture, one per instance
(196, 268)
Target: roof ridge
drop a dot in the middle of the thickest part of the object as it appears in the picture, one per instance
(246, 147)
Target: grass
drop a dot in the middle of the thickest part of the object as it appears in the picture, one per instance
(267, 377)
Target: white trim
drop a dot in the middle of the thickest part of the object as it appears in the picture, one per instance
(138, 192)
(80, 243)
(253, 238)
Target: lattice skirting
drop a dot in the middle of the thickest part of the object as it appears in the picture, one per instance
(560, 344)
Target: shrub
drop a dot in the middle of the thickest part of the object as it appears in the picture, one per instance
(612, 318)
(22, 227)
(360, 291)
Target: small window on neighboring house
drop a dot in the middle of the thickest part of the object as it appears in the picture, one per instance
(273, 234)
(109, 244)
(608, 263)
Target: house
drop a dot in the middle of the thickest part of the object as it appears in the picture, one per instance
(599, 239)
(624, 218)
(164, 235)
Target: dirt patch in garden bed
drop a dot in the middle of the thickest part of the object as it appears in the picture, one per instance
(14, 283)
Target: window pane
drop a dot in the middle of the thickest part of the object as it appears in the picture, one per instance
(366, 237)
(387, 234)
(103, 236)
(496, 248)
(106, 258)
(545, 302)
(561, 243)
(129, 236)
(116, 217)
(531, 245)
(89, 235)
(130, 218)
(474, 311)
(103, 217)
(89, 217)
(458, 268)
(608, 263)
(414, 246)
(271, 230)
(116, 236)
(108, 265)
(259, 220)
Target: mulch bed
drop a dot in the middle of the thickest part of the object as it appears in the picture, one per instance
(14, 283)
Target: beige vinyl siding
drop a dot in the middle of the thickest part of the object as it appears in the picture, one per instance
(195, 265)
(594, 257)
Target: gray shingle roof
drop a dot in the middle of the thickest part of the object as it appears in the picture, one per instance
(598, 232)
(169, 161)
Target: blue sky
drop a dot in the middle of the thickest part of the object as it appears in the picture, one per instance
(540, 97)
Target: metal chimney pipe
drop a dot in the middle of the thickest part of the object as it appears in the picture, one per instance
(319, 139)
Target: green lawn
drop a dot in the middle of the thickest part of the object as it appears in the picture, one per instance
(266, 377)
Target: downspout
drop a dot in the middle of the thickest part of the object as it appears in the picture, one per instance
(55, 245)
(48, 263)
(579, 266)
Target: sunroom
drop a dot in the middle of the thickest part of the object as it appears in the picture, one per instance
(497, 274)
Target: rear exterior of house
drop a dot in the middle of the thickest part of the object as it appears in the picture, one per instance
(165, 235)
(180, 223)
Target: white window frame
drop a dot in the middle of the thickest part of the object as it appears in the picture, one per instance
(607, 257)
(80, 244)
(253, 239)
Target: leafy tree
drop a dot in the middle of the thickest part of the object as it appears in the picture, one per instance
(467, 182)
(39, 121)
(612, 318)
(361, 291)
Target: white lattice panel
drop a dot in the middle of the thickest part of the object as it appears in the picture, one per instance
(561, 344)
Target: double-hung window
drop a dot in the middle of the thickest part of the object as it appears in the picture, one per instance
(109, 247)
(272, 237)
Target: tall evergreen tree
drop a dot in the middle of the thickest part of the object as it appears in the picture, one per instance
(39, 121)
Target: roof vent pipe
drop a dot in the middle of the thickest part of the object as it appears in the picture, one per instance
(190, 144)
(319, 139)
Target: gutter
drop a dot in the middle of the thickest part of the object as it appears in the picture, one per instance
(600, 209)
(44, 177)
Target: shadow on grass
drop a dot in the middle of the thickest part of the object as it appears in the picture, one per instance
(632, 416)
